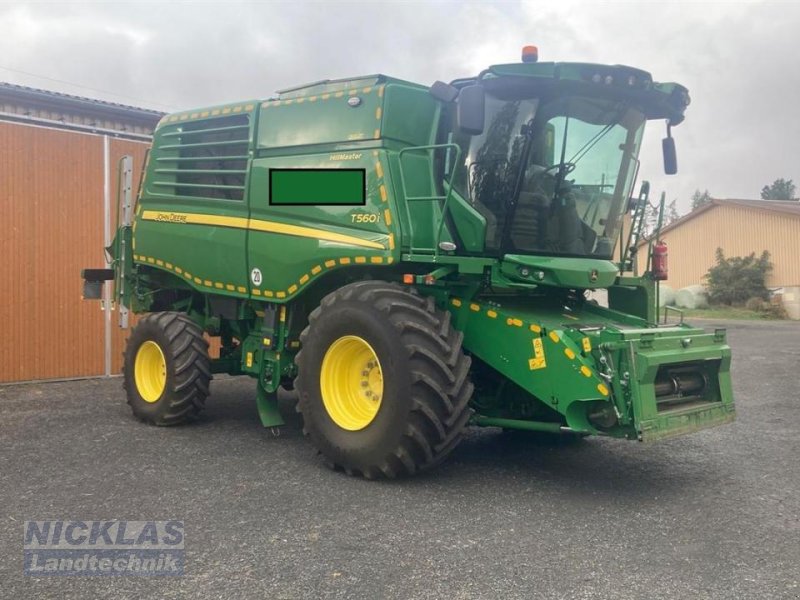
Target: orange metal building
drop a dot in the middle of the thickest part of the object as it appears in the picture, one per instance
(58, 182)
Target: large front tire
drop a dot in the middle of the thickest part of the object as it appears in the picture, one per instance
(166, 369)
(383, 384)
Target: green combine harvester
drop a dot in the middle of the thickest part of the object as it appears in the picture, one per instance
(413, 260)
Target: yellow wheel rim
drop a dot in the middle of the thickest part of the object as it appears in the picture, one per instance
(150, 371)
(351, 382)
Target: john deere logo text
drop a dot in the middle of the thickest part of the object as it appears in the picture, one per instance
(170, 217)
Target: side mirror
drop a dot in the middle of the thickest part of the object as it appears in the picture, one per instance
(670, 155)
(470, 111)
(443, 92)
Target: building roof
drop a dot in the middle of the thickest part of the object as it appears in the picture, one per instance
(36, 95)
(785, 206)
(790, 207)
(33, 106)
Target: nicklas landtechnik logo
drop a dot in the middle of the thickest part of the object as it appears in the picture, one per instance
(104, 548)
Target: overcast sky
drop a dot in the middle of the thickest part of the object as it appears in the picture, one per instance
(740, 61)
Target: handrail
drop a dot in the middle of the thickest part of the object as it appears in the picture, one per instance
(672, 308)
(628, 251)
(446, 198)
(657, 232)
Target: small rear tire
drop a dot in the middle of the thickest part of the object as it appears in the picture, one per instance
(166, 369)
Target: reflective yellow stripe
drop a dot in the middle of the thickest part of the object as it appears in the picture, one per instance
(309, 232)
(258, 225)
(194, 218)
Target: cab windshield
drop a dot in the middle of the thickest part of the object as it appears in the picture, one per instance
(552, 176)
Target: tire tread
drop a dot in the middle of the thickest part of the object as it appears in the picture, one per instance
(440, 386)
(188, 353)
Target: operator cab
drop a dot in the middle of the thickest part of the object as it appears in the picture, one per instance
(552, 168)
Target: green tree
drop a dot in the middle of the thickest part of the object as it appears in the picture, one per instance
(671, 213)
(700, 198)
(651, 216)
(780, 189)
(736, 279)
(650, 219)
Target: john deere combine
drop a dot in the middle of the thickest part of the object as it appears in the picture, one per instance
(414, 260)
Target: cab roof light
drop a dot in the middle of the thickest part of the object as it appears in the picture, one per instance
(530, 54)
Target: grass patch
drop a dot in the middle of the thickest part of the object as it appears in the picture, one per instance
(727, 312)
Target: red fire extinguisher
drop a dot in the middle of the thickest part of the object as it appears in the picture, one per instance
(660, 261)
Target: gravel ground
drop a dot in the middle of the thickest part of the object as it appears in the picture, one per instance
(712, 515)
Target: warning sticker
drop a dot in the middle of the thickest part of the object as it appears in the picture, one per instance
(538, 361)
